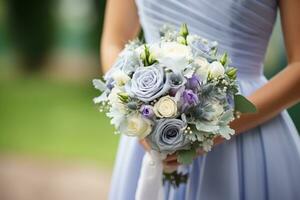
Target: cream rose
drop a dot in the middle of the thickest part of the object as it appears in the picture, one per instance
(165, 107)
(136, 125)
(173, 55)
(216, 69)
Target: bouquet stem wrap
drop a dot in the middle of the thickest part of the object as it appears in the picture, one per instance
(150, 186)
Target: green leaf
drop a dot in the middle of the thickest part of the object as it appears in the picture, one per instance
(186, 156)
(243, 105)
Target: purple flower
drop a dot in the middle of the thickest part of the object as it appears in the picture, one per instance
(188, 99)
(193, 83)
(147, 111)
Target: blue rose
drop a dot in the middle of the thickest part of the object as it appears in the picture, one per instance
(148, 83)
(176, 81)
(168, 136)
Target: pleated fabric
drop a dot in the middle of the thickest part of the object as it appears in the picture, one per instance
(260, 164)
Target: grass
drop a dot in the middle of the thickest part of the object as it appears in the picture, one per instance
(54, 120)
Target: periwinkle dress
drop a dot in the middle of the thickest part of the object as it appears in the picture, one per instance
(261, 164)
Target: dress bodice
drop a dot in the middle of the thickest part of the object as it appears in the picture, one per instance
(241, 27)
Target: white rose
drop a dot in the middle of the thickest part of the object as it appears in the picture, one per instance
(165, 107)
(203, 69)
(136, 125)
(120, 77)
(216, 69)
(173, 55)
(201, 62)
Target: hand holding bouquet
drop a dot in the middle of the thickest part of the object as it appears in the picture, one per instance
(178, 93)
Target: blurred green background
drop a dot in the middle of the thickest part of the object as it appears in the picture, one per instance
(49, 52)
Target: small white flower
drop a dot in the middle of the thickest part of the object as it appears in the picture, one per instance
(173, 55)
(191, 38)
(120, 77)
(116, 116)
(207, 145)
(165, 107)
(136, 125)
(114, 100)
(203, 69)
(140, 49)
(216, 69)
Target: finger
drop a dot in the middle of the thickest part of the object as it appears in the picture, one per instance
(145, 144)
(218, 140)
(200, 152)
(171, 164)
(171, 157)
(168, 169)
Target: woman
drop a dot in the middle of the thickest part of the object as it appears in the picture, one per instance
(262, 161)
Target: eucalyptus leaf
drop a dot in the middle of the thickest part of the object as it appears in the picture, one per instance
(186, 156)
(243, 105)
(226, 117)
(202, 126)
(99, 84)
(226, 131)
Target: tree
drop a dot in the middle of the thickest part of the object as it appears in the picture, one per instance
(31, 29)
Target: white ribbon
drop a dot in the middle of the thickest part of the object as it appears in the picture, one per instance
(150, 186)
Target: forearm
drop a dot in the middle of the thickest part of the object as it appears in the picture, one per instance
(109, 53)
(279, 93)
(120, 25)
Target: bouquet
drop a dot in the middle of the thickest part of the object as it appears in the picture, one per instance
(178, 93)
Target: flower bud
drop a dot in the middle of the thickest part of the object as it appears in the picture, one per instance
(224, 59)
(231, 73)
(216, 69)
(181, 40)
(184, 30)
